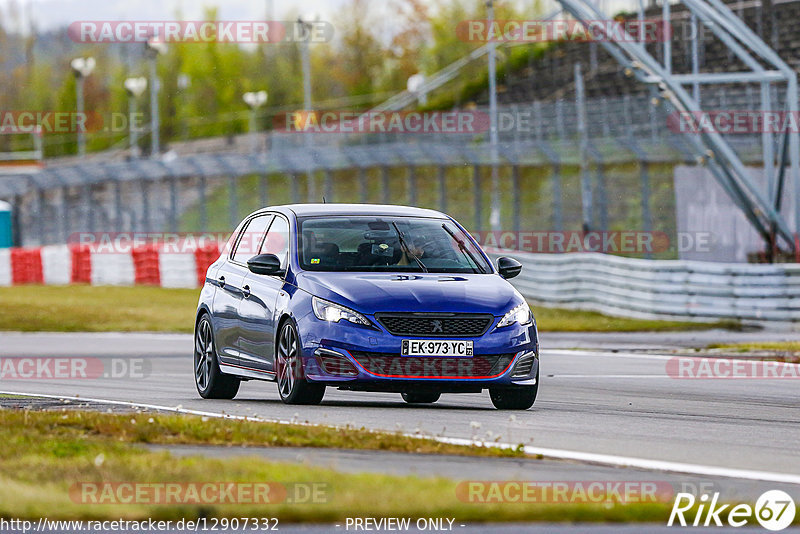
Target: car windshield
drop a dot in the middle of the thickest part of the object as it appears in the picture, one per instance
(387, 244)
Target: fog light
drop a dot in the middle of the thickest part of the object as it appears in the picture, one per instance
(524, 365)
(335, 364)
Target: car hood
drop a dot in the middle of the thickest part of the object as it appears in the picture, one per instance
(426, 292)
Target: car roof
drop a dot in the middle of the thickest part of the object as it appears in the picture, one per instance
(311, 210)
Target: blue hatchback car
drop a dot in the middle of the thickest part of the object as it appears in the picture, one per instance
(363, 298)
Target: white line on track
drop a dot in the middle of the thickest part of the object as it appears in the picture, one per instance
(610, 376)
(558, 454)
(605, 354)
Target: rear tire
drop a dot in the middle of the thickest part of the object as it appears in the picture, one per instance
(515, 397)
(421, 398)
(210, 381)
(292, 384)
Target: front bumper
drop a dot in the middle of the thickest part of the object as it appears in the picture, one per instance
(355, 357)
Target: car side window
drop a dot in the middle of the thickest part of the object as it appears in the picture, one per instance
(250, 238)
(277, 241)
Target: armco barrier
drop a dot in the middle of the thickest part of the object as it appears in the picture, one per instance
(685, 290)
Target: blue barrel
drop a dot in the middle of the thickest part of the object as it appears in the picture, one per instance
(5, 225)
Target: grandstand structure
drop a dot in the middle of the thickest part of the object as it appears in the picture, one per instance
(745, 59)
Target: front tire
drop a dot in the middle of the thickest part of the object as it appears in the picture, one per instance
(515, 397)
(292, 384)
(210, 381)
(421, 398)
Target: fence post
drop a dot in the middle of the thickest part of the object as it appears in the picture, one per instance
(65, 213)
(203, 202)
(173, 204)
(602, 197)
(263, 190)
(516, 199)
(327, 186)
(586, 181)
(145, 188)
(647, 222)
(555, 181)
(233, 201)
(362, 184)
(385, 183)
(293, 178)
(412, 185)
(40, 210)
(117, 206)
(88, 199)
(476, 184)
(16, 221)
(442, 188)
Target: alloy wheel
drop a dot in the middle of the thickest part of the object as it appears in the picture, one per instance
(287, 361)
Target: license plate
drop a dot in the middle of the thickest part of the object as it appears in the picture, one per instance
(437, 347)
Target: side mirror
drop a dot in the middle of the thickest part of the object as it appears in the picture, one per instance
(265, 264)
(508, 267)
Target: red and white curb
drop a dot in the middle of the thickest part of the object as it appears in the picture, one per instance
(153, 265)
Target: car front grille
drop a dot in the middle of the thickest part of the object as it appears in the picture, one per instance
(395, 366)
(435, 325)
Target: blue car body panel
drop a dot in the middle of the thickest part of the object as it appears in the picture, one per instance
(246, 325)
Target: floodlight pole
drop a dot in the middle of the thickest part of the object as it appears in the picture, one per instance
(254, 101)
(81, 68)
(153, 49)
(79, 80)
(134, 87)
(494, 217)
(305, 59)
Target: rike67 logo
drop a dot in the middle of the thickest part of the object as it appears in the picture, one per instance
(774, 510)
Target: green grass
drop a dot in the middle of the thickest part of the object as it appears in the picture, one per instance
(46, 454)
(195, 430)
(563, 320)
(151, 309)
(81, 308)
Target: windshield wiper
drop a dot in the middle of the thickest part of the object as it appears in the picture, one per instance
(407, 249)
(464, 250)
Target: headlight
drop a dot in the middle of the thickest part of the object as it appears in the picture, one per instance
(521, 314)
(326, 310)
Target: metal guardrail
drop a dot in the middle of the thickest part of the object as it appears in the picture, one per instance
(661, 289)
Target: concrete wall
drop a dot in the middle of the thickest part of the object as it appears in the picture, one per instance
(703, 208)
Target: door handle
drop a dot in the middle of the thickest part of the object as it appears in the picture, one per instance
(221, 281)
(246, 291)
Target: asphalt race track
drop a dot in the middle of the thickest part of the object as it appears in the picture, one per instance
(603, 413)
(610, 403)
